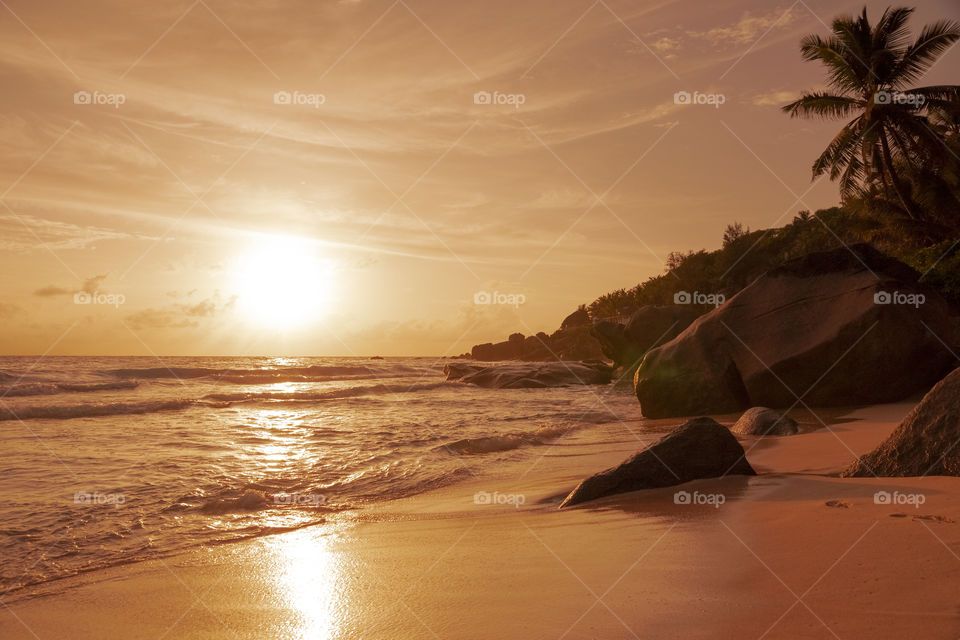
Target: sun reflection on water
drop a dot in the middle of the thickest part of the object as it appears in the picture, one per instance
(310, 579)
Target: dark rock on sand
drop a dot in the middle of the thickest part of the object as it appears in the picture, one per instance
(927, 442)
(530, 376)
(761, 421)
(821, 328)
(701, 448)
(648, 327)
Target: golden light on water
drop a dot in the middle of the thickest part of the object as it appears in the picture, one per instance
(310, 580)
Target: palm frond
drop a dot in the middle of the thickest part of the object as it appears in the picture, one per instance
(841, 75)
(933, 41)
(823, 105)
(891, 31)
(837, 153)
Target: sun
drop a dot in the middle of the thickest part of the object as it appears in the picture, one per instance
(282, 283)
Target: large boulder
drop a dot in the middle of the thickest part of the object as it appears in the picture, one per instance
(490, 352)
(925, 443)
(575, 343)
(761, 421)
(701, 448)
(530, 375)
(648, 327)
(536, 348)
(579, 318)
(840, 327)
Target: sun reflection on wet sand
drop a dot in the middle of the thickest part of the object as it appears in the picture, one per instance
(310, 580)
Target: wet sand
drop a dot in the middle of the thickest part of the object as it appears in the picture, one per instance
(789, 554)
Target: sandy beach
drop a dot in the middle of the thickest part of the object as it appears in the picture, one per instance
(791, 553)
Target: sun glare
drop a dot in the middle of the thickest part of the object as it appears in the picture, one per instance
(282, 283)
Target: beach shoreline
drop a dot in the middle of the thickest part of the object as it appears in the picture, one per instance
(792, 552)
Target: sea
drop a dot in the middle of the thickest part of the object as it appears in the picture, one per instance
(112, 460)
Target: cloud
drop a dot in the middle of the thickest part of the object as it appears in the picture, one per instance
(748, 29)
(92, 285)
(181, 316)
(23, 232)
(8, 310)
(774, 98)
(52, 290)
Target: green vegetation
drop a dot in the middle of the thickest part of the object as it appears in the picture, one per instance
(746, 257)
(897, 161)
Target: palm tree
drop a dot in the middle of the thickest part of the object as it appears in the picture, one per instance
(868, 71)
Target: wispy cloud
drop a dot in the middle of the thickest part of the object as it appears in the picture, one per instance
(183, 315)
(774, 98)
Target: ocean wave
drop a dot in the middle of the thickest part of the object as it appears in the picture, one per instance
(256, 376)
(249, 499)
(66, 412)
(246, 501)
(506, 442)
(275, 378)
(213, 400)
(333, 394)
(53, 388)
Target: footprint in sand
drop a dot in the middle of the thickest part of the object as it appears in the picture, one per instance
(839, 504)
(923, 517)
(933, 518)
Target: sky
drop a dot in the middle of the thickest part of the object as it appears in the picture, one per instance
(360, 177)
